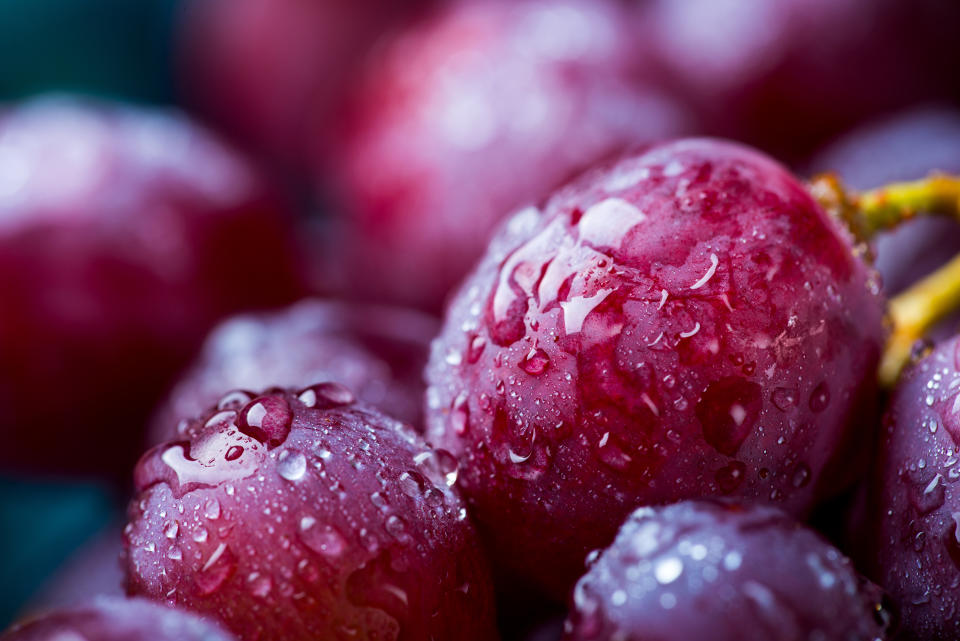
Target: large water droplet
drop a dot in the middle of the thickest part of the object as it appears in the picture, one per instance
(535, 362)
(205, 464)
(291, 465)
(326, 395)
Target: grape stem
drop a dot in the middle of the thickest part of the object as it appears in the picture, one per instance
(913, 312)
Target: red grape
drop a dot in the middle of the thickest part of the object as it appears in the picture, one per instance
(683, 322)
(271, 70)
(303, 516)
(125, 234)
(478, 109)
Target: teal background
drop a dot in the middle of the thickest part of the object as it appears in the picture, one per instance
(41, 523)
(117, 48)
(112, 48)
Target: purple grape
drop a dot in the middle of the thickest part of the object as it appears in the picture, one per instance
(914, 511)
(724, 572)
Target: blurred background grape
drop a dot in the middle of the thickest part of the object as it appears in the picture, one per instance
(111, 48)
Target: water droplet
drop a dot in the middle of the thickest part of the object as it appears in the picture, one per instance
(175, 554)
(519, 458)
(212, 509)
(200, 535)
(379, 501)
(730, 476)
(919, 541)
(801, 475)
(171, 530)
(260, 585)
(267, 419)
(433, 497)
(204, 464)
(928, 497)
(784, 398)
(322, 539)
(291, 465)
(576, 310)
(535, 362)
(308, 397)
(215, 572)
(820, 397)
(460, 414)
(727, 411)
(438, 465)
(308, 571)
(475, 348)
(326, 395)
(396, 527)
(235, 452)
(227, 417)
(233, 400)
(611, 454)
(413, 484)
